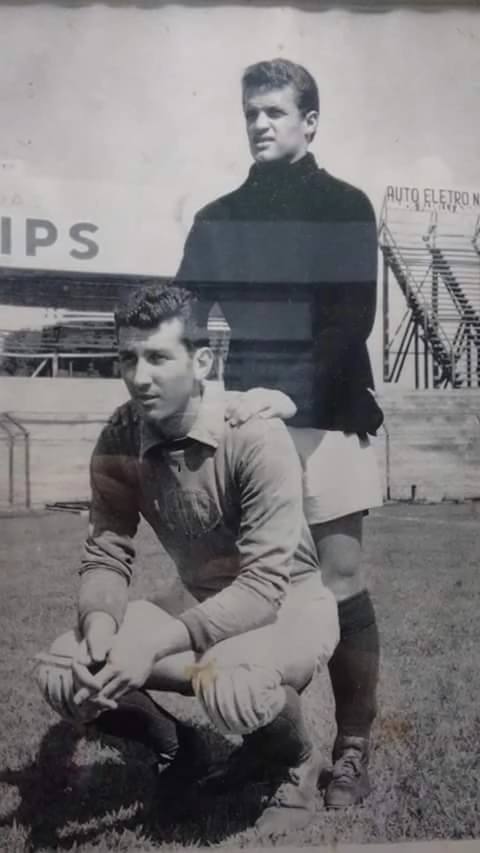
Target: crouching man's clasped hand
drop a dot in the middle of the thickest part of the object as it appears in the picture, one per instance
(127, 666)
(117, 663)
(82, 677)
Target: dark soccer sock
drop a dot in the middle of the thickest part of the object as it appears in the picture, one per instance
(141, 719)
(286, 740)
(354, 667)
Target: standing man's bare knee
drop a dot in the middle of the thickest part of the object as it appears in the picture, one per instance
(339, 548)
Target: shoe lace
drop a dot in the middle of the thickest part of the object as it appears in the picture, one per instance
(349, 766)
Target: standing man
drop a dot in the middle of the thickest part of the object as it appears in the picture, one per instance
(226, 504)
(292, 258)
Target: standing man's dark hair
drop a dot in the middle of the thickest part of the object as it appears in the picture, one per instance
(291, 255)
(277, 73)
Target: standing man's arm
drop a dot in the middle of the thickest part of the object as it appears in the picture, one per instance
(195, 259)
(107, 562)
(345, 310)
(349, 306)
(197, 268)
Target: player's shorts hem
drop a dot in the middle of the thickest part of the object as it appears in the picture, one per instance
(340, 474)
(315, 510)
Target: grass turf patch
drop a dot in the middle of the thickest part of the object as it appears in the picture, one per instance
(59, 790)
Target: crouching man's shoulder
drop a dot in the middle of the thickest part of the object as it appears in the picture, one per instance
(120, 433)
(114, 462)
(263, 438)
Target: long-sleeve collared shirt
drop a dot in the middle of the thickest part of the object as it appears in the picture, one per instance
(226, 504)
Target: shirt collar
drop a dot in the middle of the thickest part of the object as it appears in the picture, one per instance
(207, 428)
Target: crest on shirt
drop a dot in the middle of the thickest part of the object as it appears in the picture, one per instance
(193, 513)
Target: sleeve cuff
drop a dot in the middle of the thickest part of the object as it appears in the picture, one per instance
(196, 626)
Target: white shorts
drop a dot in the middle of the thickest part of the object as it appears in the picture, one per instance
(304, 634)
(340, 473)
(308, 605)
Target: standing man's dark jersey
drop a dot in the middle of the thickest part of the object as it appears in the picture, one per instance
(291, 257)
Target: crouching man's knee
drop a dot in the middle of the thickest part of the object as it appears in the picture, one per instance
(56, 681)
(239, 699)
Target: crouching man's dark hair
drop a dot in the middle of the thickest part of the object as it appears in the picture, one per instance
(155, 302)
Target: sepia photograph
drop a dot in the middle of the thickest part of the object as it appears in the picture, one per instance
(239, 425)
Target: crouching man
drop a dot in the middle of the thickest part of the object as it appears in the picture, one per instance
(226, 503)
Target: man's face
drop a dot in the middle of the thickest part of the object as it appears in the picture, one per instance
(157, 369)
(276, 128)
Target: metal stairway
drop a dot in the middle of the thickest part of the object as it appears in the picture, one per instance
(438, 272)
(431, 332)
(455, 255)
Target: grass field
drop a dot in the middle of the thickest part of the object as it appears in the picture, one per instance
(61, 791)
